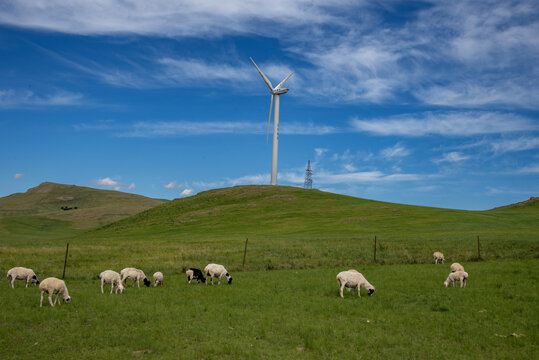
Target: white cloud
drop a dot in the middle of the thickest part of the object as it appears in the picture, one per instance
(447, 124)
(10, 98)
(396, 151)
(17, 176)
(132, 186)
(530, 169)
(187, 192)
(107, 182)
(518, 144)
(453, 157)
(170, 185)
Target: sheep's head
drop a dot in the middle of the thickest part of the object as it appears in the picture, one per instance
(147, 282)
(67, 300)
(35, 281)
(229, 278)
(203, 279)
(120, 287)
(370, 291)
(446, 283)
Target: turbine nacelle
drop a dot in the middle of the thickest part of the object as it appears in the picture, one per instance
(279, 91)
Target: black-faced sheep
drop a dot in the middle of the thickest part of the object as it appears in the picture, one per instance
(54, 286)
(438, 257)
(196, 274)
(113, 278)
(21, 273)
(218, 271)
(453, 277)
(135, 275)
(158, 278)
(353, 279)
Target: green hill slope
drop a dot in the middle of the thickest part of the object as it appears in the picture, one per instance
(59, 210)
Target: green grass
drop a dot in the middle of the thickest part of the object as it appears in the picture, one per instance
(287, 314)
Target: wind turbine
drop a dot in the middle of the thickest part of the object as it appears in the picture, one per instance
(275, 93)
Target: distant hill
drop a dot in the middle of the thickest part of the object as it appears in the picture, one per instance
(52, 206)
(533, 201)
(289, 211)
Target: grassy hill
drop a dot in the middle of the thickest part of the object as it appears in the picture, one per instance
(61, 210)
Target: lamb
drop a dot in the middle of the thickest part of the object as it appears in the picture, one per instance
(218, 271)
(21, 273)
(158, 278)
(353, 279)
(438, 257)
(135, 275)
(461, 276)
(54, 286)
(113, 278)
(456, 267)
(193, 273)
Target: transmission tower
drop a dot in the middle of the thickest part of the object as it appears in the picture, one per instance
(308, 176)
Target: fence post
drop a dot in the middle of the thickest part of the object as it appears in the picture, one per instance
(374, 248)
(478, 249)
(244, 253)
(65, 262)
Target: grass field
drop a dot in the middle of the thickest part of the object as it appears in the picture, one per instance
(284, 302)
(287, 314)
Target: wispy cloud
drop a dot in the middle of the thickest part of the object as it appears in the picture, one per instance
(396, 151)
(530, 169)
(187, 192)
(108, 182)
(452, 157)
(17, 176)
(132, 186)
(172, 185)
(11, 98)
(517, 144)
(446, 124)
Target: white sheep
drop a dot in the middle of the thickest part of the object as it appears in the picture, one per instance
(218, 271)
(438, 257)
(353, 279)
(456, 267)
(158, 278)
(135, 275)
(54, 286)
(461, 276)
(21, 273)
(113, 278)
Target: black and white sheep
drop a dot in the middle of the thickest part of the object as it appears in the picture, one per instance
(54, 286)
(438, 257)
(456, 267)
(453, 277)
(196, 274)
(353, 279)
(113, 278)
(21, 273)
(218, 271)
(158, 278)
(135, 275)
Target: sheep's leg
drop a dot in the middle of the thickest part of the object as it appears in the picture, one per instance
(359, 291)
(101, 286)
(50, 299)
(41, 301)
(12, 283)
(112, 287)
(27, 280)
(188, 280)
(341, 290)
(464, 282)
(138, 283)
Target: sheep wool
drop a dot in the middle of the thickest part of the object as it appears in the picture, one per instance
(54, 286)
(113, 278)
(353, 279)
(135, 275)
(453, 277)
(21, 273)
(196, 274)
(218, 271)
(456, 267)
(158, 278)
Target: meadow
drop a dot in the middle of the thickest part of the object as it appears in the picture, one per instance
(286, 314)
(283, 303)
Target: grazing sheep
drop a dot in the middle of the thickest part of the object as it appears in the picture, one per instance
(353, 279)
(21, 273)
(158, 278)
(438, 257)
(461, 276)
(197, 274)
(218, 271)
(456, 267)
(113, 278)
(54, 286)
(135, 275)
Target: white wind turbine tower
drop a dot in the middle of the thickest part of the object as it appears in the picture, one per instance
(275, 92)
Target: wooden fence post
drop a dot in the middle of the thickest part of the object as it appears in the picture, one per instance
(65, 262)
(244, 253)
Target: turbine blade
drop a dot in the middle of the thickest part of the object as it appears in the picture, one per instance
(269, 120)
(266, 80)
(282, 82)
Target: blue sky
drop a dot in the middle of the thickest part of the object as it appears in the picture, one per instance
(424, 103)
